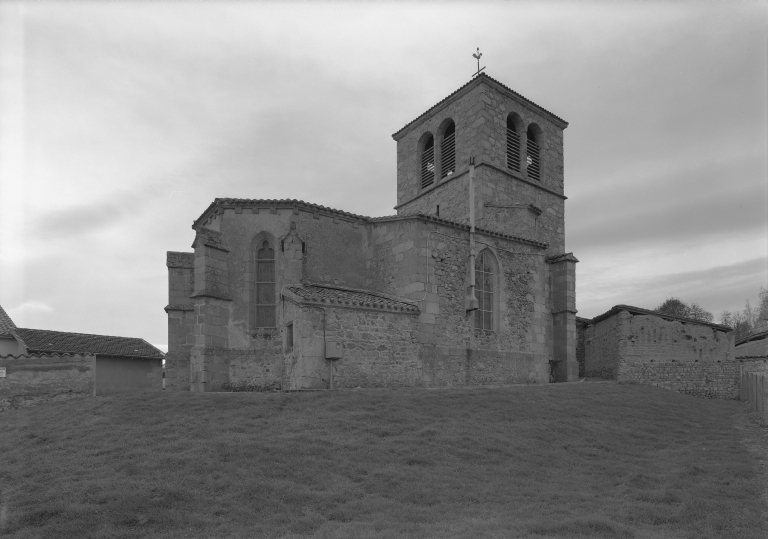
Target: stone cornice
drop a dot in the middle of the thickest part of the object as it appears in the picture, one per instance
(520, 178)
(507, 173)
(179, 308)
(462, 226)
(211, 294)
(566, 257)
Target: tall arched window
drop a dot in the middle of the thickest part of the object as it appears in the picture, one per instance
(265, 305)
(428, 162)
(448, 151)
(534, 166)
(513, 143)
(484, 290)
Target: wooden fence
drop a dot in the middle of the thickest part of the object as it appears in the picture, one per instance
(754, 388)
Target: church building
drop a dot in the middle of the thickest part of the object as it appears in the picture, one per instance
(468, 284)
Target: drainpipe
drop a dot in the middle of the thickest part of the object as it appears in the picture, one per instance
(471, 300)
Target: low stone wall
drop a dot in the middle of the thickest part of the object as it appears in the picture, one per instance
(35, 379)
(711, 379)
(677, 354)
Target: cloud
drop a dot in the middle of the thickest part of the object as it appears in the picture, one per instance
(718, 288)
(28, 309)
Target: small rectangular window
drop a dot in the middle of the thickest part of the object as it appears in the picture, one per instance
(289, 338)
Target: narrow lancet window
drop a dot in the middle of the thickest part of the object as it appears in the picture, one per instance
(428, 163)
(534, 167)
(448, 151)
(265, 306)
(513, 146)
(484, 291)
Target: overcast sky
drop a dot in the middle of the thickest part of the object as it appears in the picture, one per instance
(120, 123)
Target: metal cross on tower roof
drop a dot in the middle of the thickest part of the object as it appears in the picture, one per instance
(477, 55)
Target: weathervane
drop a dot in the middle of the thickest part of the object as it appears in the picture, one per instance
(477, 55)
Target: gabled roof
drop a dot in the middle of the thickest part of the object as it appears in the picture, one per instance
(637, 310)
(342, 296)
(41, 340)
(6, 324)
(474, 82)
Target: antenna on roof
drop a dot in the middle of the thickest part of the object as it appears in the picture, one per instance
(477, 55)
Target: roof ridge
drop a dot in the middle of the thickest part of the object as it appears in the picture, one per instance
(640, 310)
(359, 290)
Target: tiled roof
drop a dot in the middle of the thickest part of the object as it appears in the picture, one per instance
(225, 203)
(315, 293)
(753, 337)
(41, 340)
(475, 80)
(637, 310)
(6, 324)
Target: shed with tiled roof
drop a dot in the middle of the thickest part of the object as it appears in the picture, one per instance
(122, 364)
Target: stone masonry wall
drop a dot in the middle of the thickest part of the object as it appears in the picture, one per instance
(428, 262)
(494, 188)
(682, 356)
(601, 355)
(581, 326)
(34, 379)
(753, 348)
(318, 247)
(181, 319)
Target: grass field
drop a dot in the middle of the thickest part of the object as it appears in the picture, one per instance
(562, 460)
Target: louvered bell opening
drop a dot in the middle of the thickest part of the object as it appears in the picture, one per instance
(448, 155)
(428, 167)
(534, 169)
(513, 149)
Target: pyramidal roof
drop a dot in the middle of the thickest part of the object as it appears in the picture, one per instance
(6, 324)
(482, 78)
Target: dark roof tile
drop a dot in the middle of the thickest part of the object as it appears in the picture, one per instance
(316, 293)
(41, 340)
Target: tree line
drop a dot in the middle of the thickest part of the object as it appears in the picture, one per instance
(744, 323)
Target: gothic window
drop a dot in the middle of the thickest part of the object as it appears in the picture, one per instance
(427, 159)
(264, 305)
(513, 143)
(448, 151)
(484, 290)
(534, 166)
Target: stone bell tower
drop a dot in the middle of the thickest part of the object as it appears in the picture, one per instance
(517, 148)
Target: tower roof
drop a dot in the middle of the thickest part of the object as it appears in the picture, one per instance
(482, 78)
(6, 324)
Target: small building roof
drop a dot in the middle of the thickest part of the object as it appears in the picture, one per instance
(45, 341)
(6, 324)
(637, 310)
(754, 337)
(342, 296)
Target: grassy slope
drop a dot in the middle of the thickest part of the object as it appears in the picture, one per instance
(575, 460)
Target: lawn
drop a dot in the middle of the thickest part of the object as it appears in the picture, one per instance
(561, 460)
